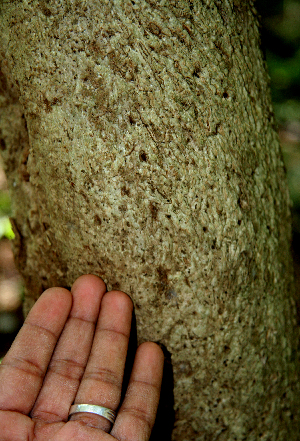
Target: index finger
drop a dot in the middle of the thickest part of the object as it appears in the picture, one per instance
(23, 368)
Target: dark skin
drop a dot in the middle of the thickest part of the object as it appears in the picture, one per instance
(72, 349)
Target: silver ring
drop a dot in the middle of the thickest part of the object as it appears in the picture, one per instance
(109, 414)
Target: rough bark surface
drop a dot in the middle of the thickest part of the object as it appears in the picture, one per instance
(139, 144)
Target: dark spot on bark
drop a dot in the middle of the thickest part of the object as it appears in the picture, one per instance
(196, 73)
(88, 75)
(143, 156)
(94, 47)
(116, 285)
(25, 176)
(124, 233)
(239, 222)
(187, 282)
(125, 191)
(217, 129)
(47, 105)
(213, 244)
(221, 309)
(23, 166)
(225, 95)
(97, 220)
(163, 277)
(46, 12)
(204, 229)
(154, 29)
(153, 210)
(168, 216)
(3, 83)
(131, 120)
(25, 122)
(46, 226)
(226, 348)
(242, 201)
(2, 144)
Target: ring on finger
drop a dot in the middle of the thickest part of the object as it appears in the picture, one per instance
(109, 414)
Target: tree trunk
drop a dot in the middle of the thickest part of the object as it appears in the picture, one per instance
(139, 142)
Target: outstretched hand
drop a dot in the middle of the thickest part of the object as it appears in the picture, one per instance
(72, 349)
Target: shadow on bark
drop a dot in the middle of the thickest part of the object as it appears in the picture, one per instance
(165, 417)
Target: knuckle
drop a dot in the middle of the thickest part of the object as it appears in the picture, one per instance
(70, 369)
(104, 376)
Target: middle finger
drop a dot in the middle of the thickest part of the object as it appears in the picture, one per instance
(102, 381)
(71, 353)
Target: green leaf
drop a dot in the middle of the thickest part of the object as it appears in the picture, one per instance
(6, 228)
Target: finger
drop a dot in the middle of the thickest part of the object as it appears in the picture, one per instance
(71, 354)
(137, 414)
(15, 426)
(75, 430)
(102, 381)
(23, 368)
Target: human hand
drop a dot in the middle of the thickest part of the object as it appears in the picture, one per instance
(72, 349)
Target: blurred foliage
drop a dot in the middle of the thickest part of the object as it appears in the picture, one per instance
(6, 228)
(5, 225)
(281, 44)
(4, 204)
(5, 210)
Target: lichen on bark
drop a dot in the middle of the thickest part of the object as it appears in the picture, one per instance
(139, 143)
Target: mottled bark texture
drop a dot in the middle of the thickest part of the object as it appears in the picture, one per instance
(138, 138)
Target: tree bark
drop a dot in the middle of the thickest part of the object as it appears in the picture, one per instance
(139, 143)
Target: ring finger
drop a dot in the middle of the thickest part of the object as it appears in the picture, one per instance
(102, 381)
